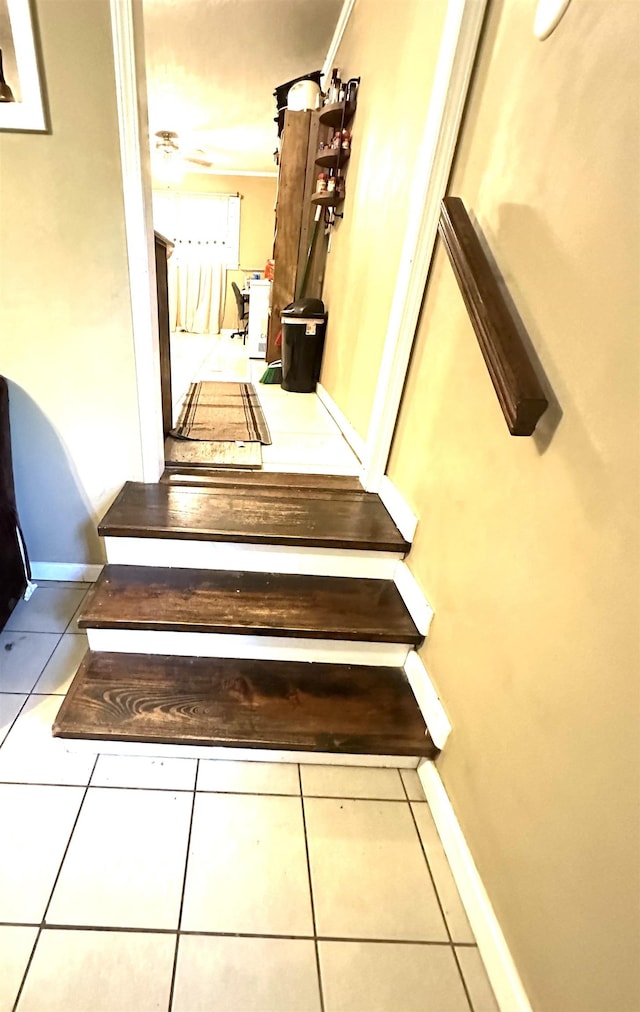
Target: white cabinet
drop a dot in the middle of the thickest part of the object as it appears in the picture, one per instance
(259, 302)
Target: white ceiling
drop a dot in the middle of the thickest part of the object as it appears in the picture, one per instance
(212, 67)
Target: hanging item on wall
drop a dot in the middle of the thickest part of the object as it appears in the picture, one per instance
(21, 106)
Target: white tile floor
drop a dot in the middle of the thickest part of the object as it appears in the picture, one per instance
(132, 884)
(305, 437)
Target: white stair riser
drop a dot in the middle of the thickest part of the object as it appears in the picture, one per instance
(275, 648)
(262, 755)
(223, 555)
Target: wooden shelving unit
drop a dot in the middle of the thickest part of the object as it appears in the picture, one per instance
(336, 116)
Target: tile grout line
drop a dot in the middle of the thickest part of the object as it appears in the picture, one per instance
(31, 690)
(13, 722)
(313, 906)
(43, 923)
(439, 901)
(237, 934)
(184, 888)
(188, 790)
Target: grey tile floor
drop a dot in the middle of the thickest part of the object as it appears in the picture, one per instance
(129, 884)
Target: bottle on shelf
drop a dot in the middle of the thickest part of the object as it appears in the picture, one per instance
(333, 90)
(331, 181)
(321, 183)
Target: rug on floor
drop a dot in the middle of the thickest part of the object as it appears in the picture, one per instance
(216, 453)
(215, 411)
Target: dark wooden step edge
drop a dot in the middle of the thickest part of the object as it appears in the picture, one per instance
(394, 542)
(326, 743)
(256, 479)
(165, 533)
(89, 690)
(173, 599)
(231, 629)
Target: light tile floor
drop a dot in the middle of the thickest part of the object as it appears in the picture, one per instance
(132, 884)
(305, 437)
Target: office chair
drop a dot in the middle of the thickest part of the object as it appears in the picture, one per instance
(242, 304)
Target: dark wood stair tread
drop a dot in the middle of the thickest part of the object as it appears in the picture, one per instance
(261, 479)
(254, 514)
(195, 600)
(242, 703)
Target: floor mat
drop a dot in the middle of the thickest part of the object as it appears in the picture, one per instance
(216, 453)
(227, 412)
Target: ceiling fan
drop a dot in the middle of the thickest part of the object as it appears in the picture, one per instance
(168, 147)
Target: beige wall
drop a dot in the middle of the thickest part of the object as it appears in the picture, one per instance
(393, 48)
(257, 222)
(528, 548)
(65, 324)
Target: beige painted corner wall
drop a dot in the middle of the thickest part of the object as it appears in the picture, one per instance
(393, 48)
(528, 548)
(257, 222)
(65, 322)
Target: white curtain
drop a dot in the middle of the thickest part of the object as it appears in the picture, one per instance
(196, 277)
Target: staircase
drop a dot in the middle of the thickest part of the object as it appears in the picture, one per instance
(254, 611)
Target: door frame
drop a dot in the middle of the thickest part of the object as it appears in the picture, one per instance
(456, 60)
(126, 23)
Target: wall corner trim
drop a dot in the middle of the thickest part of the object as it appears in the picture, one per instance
(438, 724)
(413, 596)
(355, 441)
(70, 572)
(499, 964)
(403, 517)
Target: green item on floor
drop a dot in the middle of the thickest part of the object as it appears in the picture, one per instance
(273, 373)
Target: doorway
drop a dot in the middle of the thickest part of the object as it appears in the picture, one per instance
(454, 65)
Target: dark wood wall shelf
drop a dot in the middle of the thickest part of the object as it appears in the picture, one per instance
(333, 158)
(339, 114)
(517, 386)
(327, 199)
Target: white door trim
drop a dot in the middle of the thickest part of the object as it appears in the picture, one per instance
(456, 59)
(139, 233)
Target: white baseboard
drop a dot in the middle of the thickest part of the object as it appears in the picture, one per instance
(70, 572)
(403, 517)
(355, 441)
(501, 969)
(267, 648)
(413, 596)
(261, 755)
(222, 555)
(427, 698)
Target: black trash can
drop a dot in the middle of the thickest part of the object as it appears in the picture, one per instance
(304, 324)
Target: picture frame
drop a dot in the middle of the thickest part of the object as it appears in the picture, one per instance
(20, 69)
